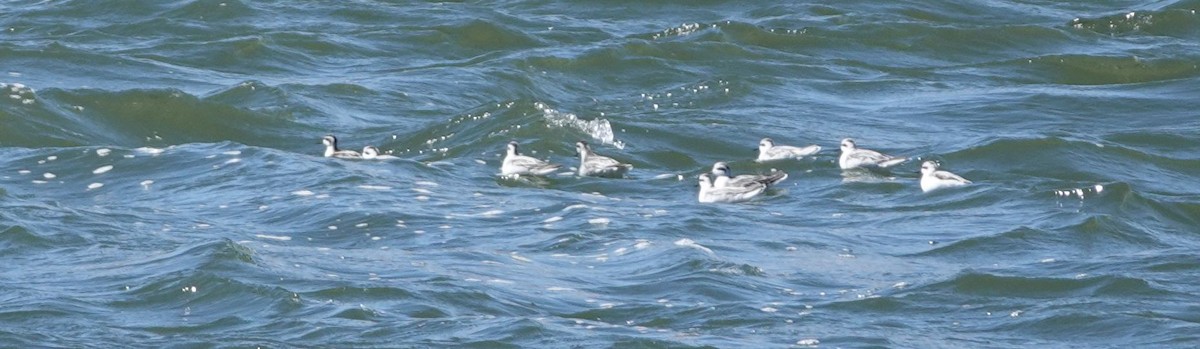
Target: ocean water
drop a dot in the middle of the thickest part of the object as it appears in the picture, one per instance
(162, 184)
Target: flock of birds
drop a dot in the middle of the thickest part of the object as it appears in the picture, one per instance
(718, 185)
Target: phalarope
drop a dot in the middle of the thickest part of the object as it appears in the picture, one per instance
(372, 153)
(724, 177)
(933, 179)
(853, 157)
(768, 151)
(709, 193)
(592, 164)
(332, 151)
(517, 164)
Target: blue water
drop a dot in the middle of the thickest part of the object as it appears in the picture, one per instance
(162, 184)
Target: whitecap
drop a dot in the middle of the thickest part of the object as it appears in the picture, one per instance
(233, 161)
(518, 257)
(102, 169)
(491, 213)
(559, 289)
(49, 175)
(422, 190)
(685, 242)
(574, 207)
(599, 129)
(233, 152)
(302, 193)
(600, 221)
(95, 186)
(374, 187)
(103, 151)
(553, 219)
(361, 225)
(426, 183)
(146, 183)
(768, 309)
(148, 150)
(51, 158)
(24, 172)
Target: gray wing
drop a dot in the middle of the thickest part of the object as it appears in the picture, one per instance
(947, 176)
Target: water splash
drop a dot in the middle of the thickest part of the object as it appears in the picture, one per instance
(599, 129)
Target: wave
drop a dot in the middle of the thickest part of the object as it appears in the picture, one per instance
(991, 285)
(150, 117)
(1173, 22)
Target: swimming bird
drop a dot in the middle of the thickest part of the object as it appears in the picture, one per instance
(332, 151)
(853, 157)
(933, 179)
(724, 177)
(372, 153)
(768, 151)
(517, 164)
(709, 193)
(592, 164)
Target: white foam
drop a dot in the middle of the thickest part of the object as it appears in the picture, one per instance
(641, 244)
(39, 182)
(518, 257)
(95, 186)
(553, 219)
(599, 129)
(302, 193)
(361, 225)
(574, 207)
(374, 187)
(146, 183)
(492, 213)
(808, 342)
(426, 183)
(600, 221)
(233, 161)
(49, 175)
(422, 190)
(276, 238)
(768, 309)
(233, 152)
(51, 158)
(559, 289)
(685, 242)
(103, 151)
(24, 172)
(102, 169)
(148, 150)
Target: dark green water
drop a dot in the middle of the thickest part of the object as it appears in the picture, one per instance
(162, 185)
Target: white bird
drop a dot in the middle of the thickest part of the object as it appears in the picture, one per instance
(724, 177)
(933, 179)
(332, 151)
(372, 153)
(517, 164)
(709, 194)
(853, 157)
(592, 164)
(768, 151)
